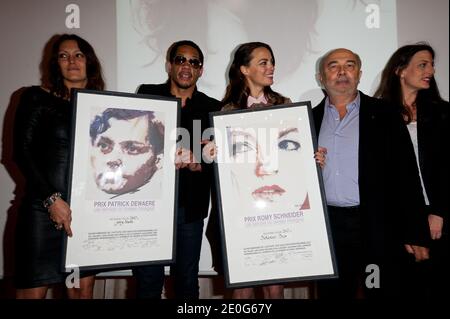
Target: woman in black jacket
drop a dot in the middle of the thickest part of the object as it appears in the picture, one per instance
(408, 82)
(42, 132)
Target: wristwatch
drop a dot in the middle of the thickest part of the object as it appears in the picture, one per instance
(51, 199)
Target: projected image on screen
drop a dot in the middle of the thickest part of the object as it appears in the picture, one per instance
(299, 31)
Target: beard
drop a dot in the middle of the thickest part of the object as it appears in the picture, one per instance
(183, 85)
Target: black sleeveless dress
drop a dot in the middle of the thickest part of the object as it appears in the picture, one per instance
(41, 150)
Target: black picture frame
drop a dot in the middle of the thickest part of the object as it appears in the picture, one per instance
(273, 216)
(123, 185)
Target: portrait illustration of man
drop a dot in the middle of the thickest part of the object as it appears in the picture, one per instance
(127, 148)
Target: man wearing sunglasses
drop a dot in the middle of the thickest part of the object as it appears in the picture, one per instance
(184, 66)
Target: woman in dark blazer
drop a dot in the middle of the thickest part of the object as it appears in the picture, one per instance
(42, 133)
(408, 83)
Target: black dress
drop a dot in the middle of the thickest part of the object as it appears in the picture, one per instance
(41, 150)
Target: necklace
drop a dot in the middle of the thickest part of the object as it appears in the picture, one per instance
(411, 111)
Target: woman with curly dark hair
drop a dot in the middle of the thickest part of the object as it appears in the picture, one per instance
(42, 133)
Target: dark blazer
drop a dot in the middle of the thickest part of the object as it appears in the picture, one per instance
(391, 199)
(193, 187)
(433, 130)
(42, 141)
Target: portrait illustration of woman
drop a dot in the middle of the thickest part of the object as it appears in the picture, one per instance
(265, 172)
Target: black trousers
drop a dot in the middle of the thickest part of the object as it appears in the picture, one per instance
(439, 269)
(346, 232)
(150, 279)
(400, 276)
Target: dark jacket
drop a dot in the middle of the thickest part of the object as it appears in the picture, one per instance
(42, 142)
(391, 200)
(433, 130)
(193, 187)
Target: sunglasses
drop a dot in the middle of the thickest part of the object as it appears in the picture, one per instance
(180, 60)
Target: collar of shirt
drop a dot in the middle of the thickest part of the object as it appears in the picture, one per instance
(259, 100)
(169, 93)
(350, 106)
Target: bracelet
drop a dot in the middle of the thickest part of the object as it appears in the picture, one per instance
(51, 199)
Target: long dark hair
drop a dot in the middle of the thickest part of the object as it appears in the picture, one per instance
(55, 82)
(237, 90)
(390, 88)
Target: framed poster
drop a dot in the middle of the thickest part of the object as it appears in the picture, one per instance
(272, 209)
(122, 181)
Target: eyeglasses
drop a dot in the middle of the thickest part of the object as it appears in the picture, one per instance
(180, 60)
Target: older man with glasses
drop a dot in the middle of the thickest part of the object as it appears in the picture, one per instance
(184, 66)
